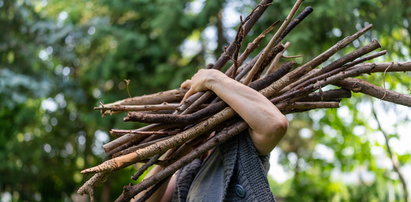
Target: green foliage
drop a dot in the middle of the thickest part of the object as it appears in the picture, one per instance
(58, 59)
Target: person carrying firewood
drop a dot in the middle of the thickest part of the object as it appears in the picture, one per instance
(236, 170)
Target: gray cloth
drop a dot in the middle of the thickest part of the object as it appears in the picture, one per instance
(245, 174)
(211, 174)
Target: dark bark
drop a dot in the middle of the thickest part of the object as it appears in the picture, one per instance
(330, 95)
(209, 110)
(358, 85)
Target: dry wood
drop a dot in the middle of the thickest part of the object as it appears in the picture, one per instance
(307, 105)
(330, 95)
(131, 190)
(194, 101)
(293, 96)
(170, 96)
(334, 67)
(250, 47)
(300, 17)
(383, 67)
(295, 74)
(209, 110)
(199, 98)
(123, 108)
(127, 148)
(88, 186)
(393, 157)
(128, 159)
(120, 132)
(273, 42)
(249, 23)
(182, 129)
(274, 64)
(358, 85)
(130, 137)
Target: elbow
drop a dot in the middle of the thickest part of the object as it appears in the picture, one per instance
(276, 127)
(265, 140)
(279, 126)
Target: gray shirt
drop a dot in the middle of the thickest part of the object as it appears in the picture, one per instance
(210, 175)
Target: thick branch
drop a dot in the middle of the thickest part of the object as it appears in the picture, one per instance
(302, 106)
(169, 96)
(358, 85)
(394, 66)
(106, 109)
(330, 95)
(120, 132)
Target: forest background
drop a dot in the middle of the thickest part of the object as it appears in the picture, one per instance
(59, 59)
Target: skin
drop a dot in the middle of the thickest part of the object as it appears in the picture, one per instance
(267, 125)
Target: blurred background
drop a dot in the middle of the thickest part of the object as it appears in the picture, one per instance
(59, 59)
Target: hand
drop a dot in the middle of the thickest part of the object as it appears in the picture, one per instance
(203, 80)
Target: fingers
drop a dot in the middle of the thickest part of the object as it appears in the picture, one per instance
(186, 84)
(188, 94)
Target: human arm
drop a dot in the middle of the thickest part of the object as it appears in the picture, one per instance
(267, 124)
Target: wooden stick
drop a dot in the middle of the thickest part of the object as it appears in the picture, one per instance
(134, 148)
(130, 191)
(124, 108)
(334, 67)
(273, 42)
(88, 186)
(250, 21)
(272, 53)
(293, 96)
(132, 137)
(382, 67)
(251, 46)
(330, 95)
(274, 64)
(307, 105)
(209, 110)
(169, 96)
(297, 73)
(300, 17)
(120, 132)
(143, 168)
(358, 85)
(368, 57)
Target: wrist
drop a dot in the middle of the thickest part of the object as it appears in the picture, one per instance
(214, 78)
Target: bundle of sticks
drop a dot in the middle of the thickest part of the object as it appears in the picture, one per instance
(177, 125)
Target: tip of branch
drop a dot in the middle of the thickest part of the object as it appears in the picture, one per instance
(109, 165)
(308, 9)
(368, 27)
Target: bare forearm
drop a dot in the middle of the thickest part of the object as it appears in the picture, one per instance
(267, 124)
(252, 106)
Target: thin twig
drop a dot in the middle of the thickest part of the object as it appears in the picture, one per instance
(392, 156)
(273, 42)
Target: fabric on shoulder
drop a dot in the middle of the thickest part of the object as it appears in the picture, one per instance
(245, 173)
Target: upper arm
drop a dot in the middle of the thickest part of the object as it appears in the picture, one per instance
(171, 186)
